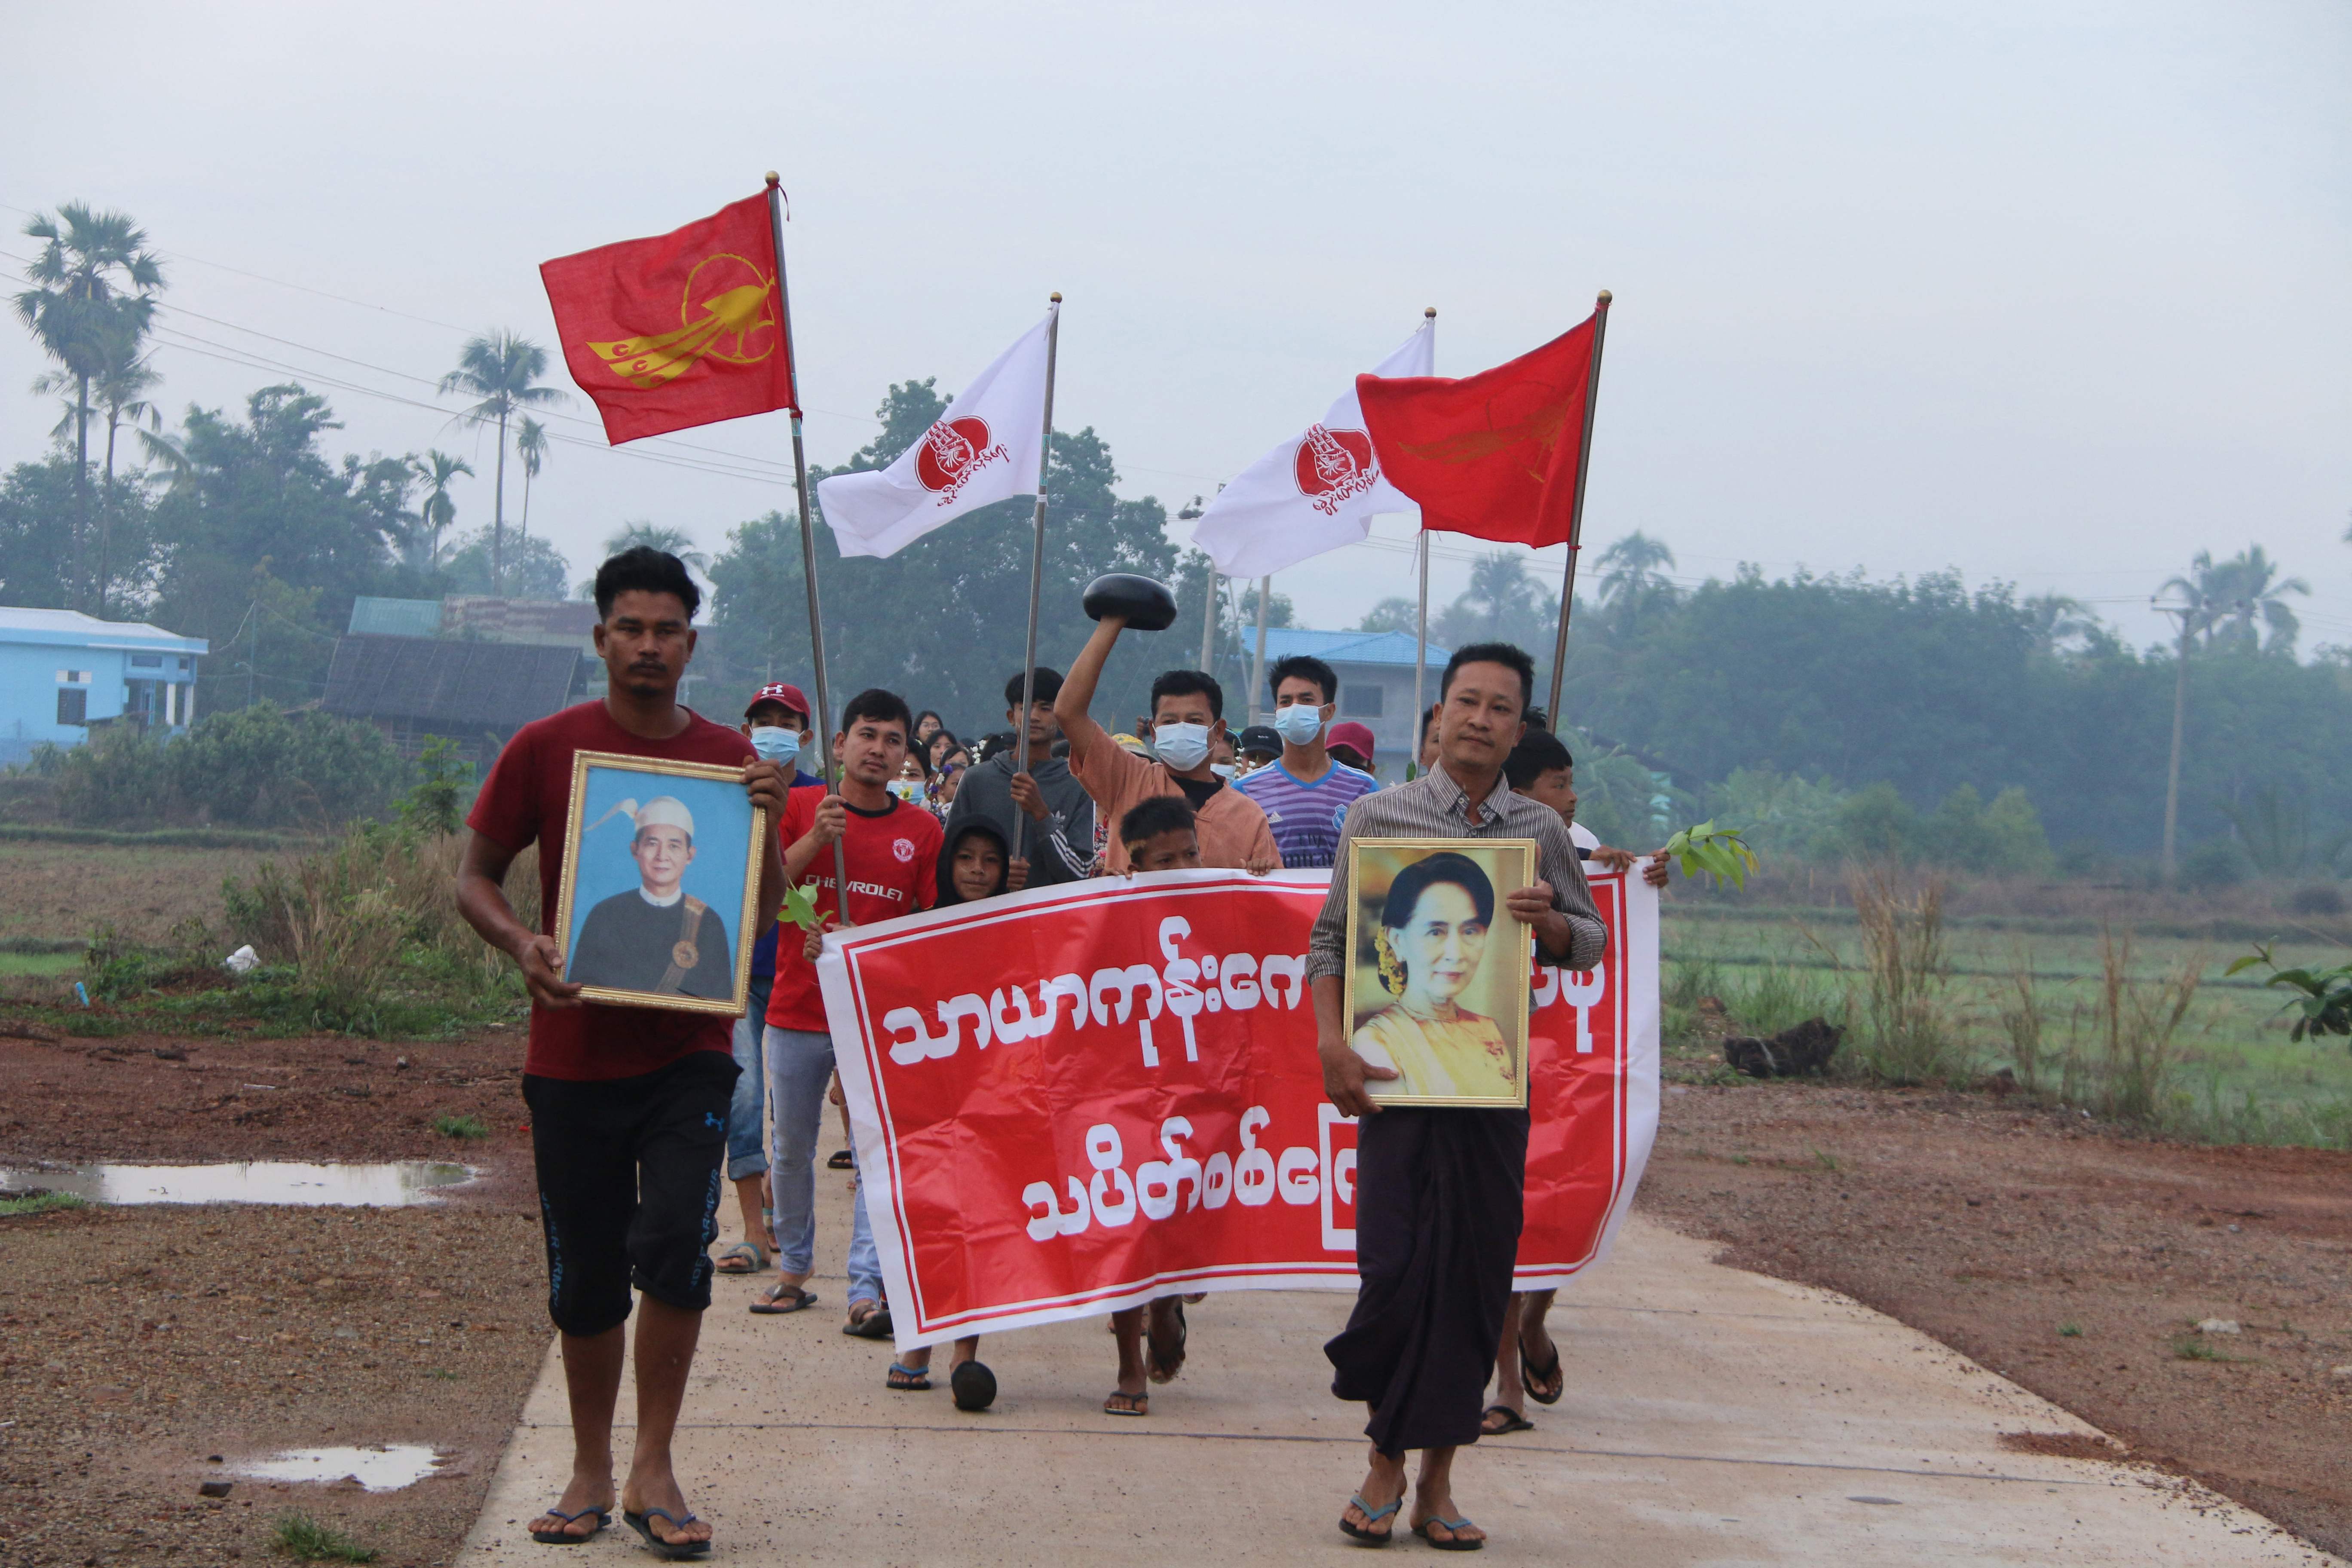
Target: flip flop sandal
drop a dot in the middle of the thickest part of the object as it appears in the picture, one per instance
(1512, 1421)
(1453, 1543)
(672, 1550)
(874, 1325)
(564, 1538)
(842, 1160)
(906, 1379)
(1120, 1404)
(974, 1386)
(779, 1298)
(1372, 1516)
(1530, 1375)
(743, 1250)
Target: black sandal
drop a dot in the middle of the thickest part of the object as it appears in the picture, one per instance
(779, 1298)
(1124, 1404)
(564, 1537)
(1549, 1377)
(1512, 1421)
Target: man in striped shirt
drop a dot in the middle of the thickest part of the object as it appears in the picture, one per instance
(1305, 791)
(1439, 1189)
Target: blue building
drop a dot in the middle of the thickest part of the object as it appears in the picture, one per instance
(62, 671)
(1375, 671)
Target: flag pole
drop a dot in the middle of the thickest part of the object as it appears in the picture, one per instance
(1421, 634)
(1420, 660)
(1037, 564)
(1576, 508)
(1257, 676)
(808, 545)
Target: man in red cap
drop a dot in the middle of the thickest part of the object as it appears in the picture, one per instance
(776, 721)
(1350, 743)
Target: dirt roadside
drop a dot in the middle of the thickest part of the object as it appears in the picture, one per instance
(2070, 1260)
(135, 1344)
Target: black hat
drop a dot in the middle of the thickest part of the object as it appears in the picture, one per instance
(1261, 738)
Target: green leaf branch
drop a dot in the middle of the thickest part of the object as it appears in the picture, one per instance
(1717, 852)
(2325, 1002)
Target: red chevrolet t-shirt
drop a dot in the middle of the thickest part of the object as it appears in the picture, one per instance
(528, 799)
(894, 869)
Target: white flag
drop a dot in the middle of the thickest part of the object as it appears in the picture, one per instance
(1317, 491)
(984, 449)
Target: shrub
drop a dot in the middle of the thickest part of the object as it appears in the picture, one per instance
(2216, 863)
(120, 775)
(262, 766)
(1771, 997)
(433, 802)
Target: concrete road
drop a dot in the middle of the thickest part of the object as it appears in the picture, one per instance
(1712, 1417)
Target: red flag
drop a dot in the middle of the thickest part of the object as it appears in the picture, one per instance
(1494, 454)
(680, 330)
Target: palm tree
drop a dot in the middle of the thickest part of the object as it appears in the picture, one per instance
(652, 536)
(2247, 589)
(1502, 591)
(503, 371)
(2053, 618)
(531, 446)
(92, 301)
(437, 511)
(1629, 568)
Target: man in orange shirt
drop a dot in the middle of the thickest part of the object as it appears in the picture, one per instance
(1188, 715)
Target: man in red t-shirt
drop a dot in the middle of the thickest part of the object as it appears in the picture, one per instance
(628, 1105)
(892, 852)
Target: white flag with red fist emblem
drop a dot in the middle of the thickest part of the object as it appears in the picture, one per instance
(982, 450)
(1317, 491)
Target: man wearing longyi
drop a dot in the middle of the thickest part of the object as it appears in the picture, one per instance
(628, 1105)
(1439, 1189)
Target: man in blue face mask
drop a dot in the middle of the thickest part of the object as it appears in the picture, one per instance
(1305, 793)
(776, 721)
(1188, 711)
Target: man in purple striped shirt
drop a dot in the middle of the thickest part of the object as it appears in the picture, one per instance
(1305, 791)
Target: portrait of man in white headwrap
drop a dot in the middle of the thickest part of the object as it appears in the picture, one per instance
(656, 936)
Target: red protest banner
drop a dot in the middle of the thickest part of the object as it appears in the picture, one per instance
(1074, 1100)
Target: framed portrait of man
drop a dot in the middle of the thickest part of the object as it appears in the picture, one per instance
(1437, 983)
(660, 884)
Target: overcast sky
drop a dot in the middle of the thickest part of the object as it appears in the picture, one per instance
(2056, 293)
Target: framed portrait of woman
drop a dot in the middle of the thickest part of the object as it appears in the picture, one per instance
(1437, 984)
(660, 884)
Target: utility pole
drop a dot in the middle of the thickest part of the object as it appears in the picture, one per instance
(2187, 614)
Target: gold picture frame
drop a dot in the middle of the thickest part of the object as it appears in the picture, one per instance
(1411, 989)
(631, 924)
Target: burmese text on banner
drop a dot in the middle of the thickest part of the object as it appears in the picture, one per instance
(1072, 1100)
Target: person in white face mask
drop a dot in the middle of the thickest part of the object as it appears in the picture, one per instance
(1305, 791)
(1188, 714)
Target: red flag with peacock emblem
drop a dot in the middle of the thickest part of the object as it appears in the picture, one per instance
(683, 329)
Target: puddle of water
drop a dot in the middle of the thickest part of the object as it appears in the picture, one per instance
(385, 1468)
(390, 1185)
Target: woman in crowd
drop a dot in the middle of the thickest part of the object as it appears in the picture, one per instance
(935, 749)
(927, 724)
(947, 779)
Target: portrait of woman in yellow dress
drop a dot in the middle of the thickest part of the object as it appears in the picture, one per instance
(1432, 935)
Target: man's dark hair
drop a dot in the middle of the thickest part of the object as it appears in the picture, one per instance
(1184, 683)
(1160, 814)
(1537, 719)
(875, 703)
(1305, 668)
(1537, 755)
(1045, 686)
(1501, 653)
(643, 568)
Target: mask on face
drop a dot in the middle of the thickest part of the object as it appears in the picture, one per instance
(1223, 770)
(1183, 747)
(776, 744)
(908, 790)
(1299, 723)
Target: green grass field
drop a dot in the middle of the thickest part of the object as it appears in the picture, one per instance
(2230, 1074)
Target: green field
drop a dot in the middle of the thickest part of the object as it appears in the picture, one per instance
(2227, 1072)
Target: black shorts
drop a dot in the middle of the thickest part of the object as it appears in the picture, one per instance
(629, 1176)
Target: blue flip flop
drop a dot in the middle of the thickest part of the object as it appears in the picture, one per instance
(1371, 1516)
(673, 1550)
(564, 1538)
(1452, 1543)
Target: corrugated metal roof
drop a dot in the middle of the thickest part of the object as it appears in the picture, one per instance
(464, 685)
(395, 617)
(72, 629)
(1342, 648)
